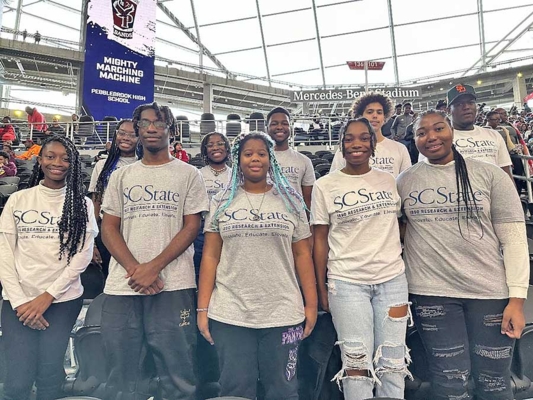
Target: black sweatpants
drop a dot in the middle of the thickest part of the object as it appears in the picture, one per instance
(246, 355)
(166, 324)
(37, 356)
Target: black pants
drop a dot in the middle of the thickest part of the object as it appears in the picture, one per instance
(37, 356)
(166, 324)
(462, 337)
(104, 253)
(246, 355)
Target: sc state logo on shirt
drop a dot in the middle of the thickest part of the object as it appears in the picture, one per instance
(362, 196)
(471, 142)
(31, 217)
(243, 214)
(440, 196)
(147, 193)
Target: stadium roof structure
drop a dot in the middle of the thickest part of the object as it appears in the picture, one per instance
(305, 44)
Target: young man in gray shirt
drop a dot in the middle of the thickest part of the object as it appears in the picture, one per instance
(297, 168)
(151, 217)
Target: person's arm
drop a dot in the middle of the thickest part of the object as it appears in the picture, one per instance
(25, 156)
(304, 267)
(185, 157)
(206, 284)
(513, 240)
(8, 274)
(306, 192)
(320, 257)
(115, 243)
(144, 275)
(509, 172)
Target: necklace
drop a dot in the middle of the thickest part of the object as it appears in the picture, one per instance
(217, 172)
(257, 210)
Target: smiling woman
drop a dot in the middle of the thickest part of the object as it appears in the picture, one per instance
(461, 214)
(46, 241)
(357, 246)
(250, 308)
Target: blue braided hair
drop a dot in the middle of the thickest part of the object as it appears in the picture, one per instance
(293, 201)
(111, 162)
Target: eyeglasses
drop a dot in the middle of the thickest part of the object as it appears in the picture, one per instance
(218, 144)
(145, 123)
(126, 134)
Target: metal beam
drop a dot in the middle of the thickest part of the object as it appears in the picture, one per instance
(63, 6)
(511, 42)
(497, 44)
(195, 40)
(17, 19)
(393, 44)
(481, 27)
(263, 41)
(319, 45)
(178, 46)
(201, 55)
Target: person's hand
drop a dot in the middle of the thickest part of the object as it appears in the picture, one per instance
(97, 258)
(142, 277)
(154, 288)
(310, 320)
(323, 301)
(203, 326)
(32, 312)
(513, 321)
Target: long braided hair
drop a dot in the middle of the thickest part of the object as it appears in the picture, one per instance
(111, 163)
(294, 202)
(74, 216)
(344, 128)
(465, 192)
(205, 140)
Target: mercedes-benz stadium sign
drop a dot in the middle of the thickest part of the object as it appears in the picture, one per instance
(333, 95)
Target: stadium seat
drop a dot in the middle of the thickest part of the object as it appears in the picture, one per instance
(10, 180)
(322, 169)
(233, 125)
(207, 123)
(321, 153)
(256, 120)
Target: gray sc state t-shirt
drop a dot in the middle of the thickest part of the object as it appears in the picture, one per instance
(256, 283)
(441, 262)
(151, 201)
(297, 168)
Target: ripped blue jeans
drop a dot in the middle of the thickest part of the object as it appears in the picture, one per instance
(462, 337)
(369, 338)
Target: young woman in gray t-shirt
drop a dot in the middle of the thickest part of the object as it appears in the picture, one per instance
(467, 296)
(249, 302)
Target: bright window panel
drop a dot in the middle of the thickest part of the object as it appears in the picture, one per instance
(499, 23)
(293, 57)
(288, 27)
(433, 35)
(357, 47)
(279, 6)
(417, 66)
(417, 10)
(250, 62)
(341, 18)
(208, 12)
(233, 36)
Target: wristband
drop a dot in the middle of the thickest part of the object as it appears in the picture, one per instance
(202, 309)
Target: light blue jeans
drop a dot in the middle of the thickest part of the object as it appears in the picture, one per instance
(369, 338)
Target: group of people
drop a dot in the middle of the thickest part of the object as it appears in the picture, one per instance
(267, 247)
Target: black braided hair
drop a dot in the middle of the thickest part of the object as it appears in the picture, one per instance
(344, 128)
(162, 112)
(74, 217)
(205, 140)
(465, 193)
(110, 164)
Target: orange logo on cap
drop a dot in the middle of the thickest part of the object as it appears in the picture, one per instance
(460, 88)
